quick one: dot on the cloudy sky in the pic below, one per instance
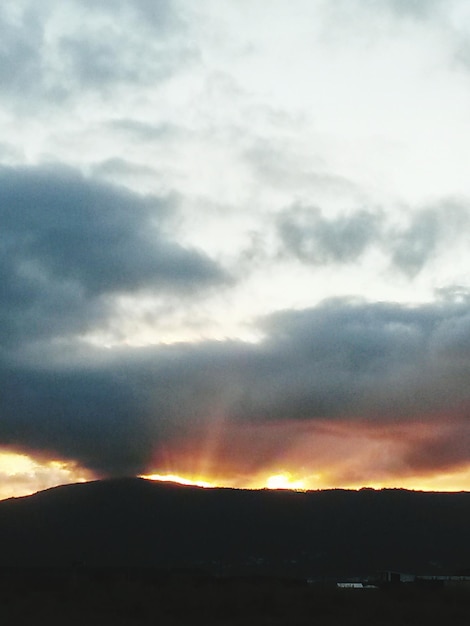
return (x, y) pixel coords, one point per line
(234, 242)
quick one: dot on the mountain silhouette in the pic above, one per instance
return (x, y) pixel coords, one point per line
(135, 523)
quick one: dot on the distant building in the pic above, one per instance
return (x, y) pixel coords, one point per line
(446, 580)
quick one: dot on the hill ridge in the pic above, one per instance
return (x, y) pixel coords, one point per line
(134, 522)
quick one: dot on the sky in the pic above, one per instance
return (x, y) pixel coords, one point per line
(234, 242)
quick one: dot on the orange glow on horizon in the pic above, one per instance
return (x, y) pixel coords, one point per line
(23, 475)
(445, 482)
(284, 481)
(275, 481)
(427, 454)
(180, 480)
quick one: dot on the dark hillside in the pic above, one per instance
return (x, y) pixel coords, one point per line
(137, 523)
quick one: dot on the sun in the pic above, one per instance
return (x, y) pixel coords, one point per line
(284, 481)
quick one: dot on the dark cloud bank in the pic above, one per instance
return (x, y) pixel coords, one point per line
(344, 360)
(69, 245)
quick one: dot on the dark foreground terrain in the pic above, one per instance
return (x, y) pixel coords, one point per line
(131, 552)
(135, 523)
(230, 603)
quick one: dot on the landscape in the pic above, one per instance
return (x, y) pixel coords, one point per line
(131, 551)
(234, 312)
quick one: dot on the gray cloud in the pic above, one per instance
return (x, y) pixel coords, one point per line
(273, 165)
(22, 40)
(305, 233)
(428, 231)
(345, 360)
(142, 131)
(106, 45)
(417, 9)
(415, 245)
(67, 243)
(158, 15)
(313, 238)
